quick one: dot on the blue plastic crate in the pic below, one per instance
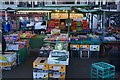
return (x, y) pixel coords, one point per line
(102, 70)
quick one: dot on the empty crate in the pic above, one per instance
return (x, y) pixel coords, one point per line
(102, 70)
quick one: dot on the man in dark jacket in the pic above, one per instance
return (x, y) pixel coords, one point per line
(3, 44)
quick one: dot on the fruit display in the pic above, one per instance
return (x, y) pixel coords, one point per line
(78, 37)
(11, 37)
(85, 24)
(109, 39)
(27, 35)
(61, 37)
(22, 43)
(47, 47)
(55, 31)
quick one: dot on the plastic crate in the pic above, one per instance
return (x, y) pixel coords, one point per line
(102, 70)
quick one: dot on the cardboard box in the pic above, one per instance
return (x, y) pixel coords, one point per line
(8, 64)
(40, 63)
(8, 57)
(57, 75)
(85, 46)
(60, 68)
(59, 57)
(39, 75)
(94, 47)
(56, 60)
(74, 46)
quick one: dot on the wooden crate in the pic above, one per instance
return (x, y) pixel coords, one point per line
(60, 68)
(40, 63)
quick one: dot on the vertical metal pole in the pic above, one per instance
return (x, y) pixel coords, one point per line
(32, 4)
(103, 25)
(68, 23)
(16, 20)
(49, 16)
(6, 15)
(91, 21)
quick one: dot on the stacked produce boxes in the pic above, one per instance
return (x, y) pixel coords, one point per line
(40, 68)
(52, 67)
(57, 60)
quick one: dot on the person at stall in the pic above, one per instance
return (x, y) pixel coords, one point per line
(3, 44)
(40, 26)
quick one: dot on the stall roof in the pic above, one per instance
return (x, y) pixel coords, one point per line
(44, 8)
(94, 11)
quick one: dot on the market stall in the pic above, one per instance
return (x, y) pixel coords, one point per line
(14, 44)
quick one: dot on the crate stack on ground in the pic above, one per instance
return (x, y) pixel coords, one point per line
(57, 60)
(40, 68)
(8, 60)
(102, 70)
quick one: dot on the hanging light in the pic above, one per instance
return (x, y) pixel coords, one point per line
(29, 2)
(66, 11)
(35, 2)
(56, 10)
(63, 10)
(73, 11)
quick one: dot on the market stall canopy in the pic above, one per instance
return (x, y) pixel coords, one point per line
(10, 9)
(46, 8)
(96, 11)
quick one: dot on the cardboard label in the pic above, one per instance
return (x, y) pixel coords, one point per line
(56, 68)
(56, 76)
(40, 66)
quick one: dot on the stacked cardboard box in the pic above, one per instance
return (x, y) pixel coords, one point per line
(57, 60)
(40, 68)
(53, 67)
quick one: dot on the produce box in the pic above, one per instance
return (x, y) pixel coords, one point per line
(85, 46)
(8, 60)
(55, 31)
(57, 75)
(8, 57)
(13, 47)
(94, 47)
(40, 63)
(8, 64)
(60, 57)
(60, 68)
(39, 75)
(74, 46)
(12, 37)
